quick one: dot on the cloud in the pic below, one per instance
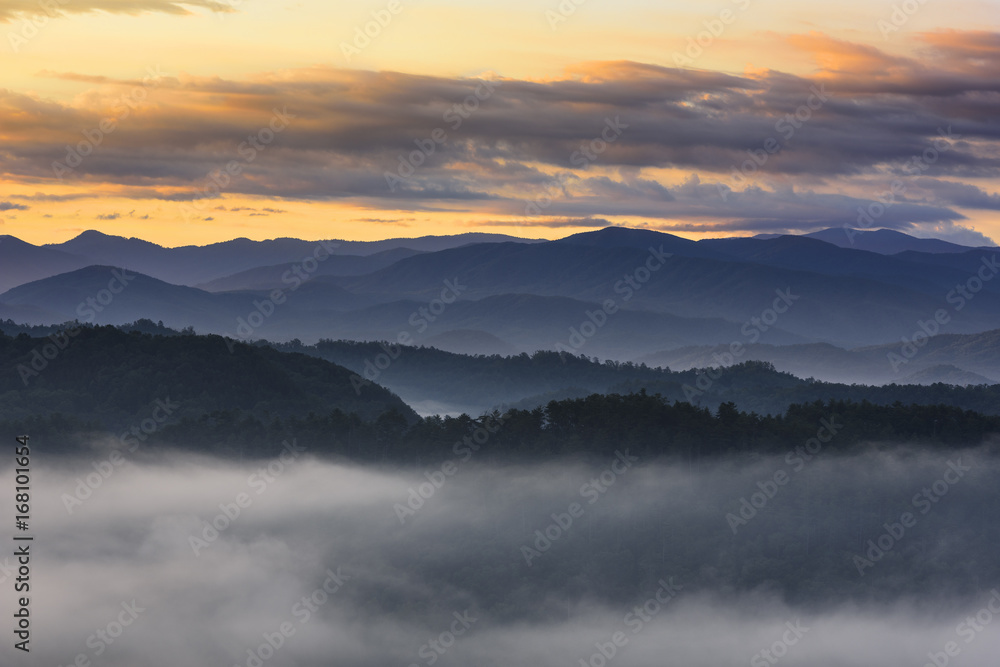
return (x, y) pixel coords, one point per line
(955, 234)
(392, 587)
(595, 223)
(251, 209)
(14, 9)
(964, 195)
(614, 137)
(385, 221)
(10, 206)
(108, 216)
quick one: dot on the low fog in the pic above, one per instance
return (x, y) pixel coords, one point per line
(461, 577)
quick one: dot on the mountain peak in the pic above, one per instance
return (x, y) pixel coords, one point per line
(628, 237)
(624, 236)
(91, 234)
(884, 241)
(92, 240)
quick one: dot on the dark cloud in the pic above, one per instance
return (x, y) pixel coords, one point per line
(964, 195)
(596, 223)
(10, 206)
(759, 148)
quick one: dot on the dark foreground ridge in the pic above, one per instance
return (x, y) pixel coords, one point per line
(208, 394)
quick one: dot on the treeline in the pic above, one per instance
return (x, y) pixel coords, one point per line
(593, 427)
(213, 394)
(531, 380)
(479, 383)
(11, 328)
(598, 425)
(802, 545)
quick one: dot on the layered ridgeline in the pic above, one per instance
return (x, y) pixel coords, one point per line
(114, 380)
(432, 380)
(630, 486)
(617, 293)
(211, 393)
(193, 265)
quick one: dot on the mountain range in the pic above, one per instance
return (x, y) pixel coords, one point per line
(834, 305)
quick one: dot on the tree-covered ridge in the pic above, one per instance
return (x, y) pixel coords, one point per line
(114, 378)
(528, 381)
(755, 386)
(217, 395)
(589, 428)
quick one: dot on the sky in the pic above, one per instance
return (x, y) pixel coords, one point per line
(197, 122)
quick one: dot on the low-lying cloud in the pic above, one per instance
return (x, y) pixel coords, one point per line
(312, 562)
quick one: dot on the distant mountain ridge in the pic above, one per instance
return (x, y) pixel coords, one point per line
(269, 277)
(953, 358)
(616, 293)
(322, 308)
(883, 241)
(22, 262)
(475, 384)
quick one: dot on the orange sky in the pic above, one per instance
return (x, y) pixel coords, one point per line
(700, 88)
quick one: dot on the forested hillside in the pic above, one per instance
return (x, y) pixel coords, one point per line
(115, 378)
